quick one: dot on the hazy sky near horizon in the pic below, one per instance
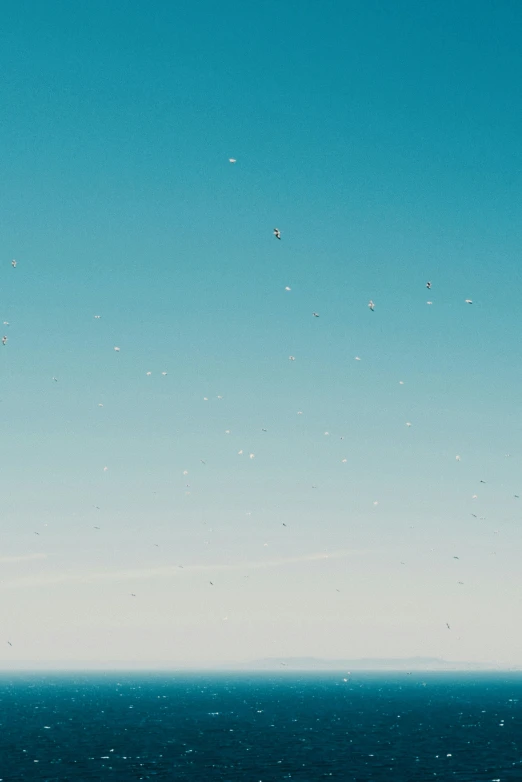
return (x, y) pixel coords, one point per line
(383, 139)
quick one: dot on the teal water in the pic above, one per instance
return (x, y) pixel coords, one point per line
(259, 728)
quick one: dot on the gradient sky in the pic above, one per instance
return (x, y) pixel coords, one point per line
(383, 139)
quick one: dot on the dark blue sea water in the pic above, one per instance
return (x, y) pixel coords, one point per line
(261, 727)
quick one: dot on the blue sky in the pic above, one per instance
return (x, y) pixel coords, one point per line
(384, 142)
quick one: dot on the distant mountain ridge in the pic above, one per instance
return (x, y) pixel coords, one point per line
(360, 664)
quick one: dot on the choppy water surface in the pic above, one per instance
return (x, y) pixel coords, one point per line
(261, 727)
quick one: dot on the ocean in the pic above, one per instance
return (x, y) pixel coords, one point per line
(261, 727)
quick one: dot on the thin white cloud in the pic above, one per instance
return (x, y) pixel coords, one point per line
(133, 574)
(22, 558)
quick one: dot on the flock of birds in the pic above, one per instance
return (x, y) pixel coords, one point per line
(371, 305)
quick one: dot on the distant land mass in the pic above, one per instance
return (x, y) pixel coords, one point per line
(361, 664)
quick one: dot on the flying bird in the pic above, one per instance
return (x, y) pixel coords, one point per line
(315, 314)
(447, 625)
(277, 233)
(428, 285)
(371, 305)
(4, 340)
(468, 301)
(14, 263)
